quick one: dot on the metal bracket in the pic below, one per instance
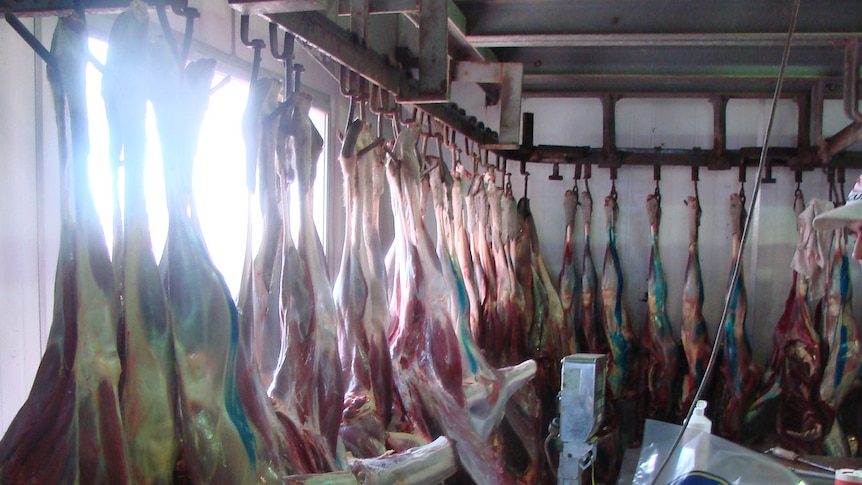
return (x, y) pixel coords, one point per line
(718, 159)
(510, 76)
(609, 156)
(433, 53)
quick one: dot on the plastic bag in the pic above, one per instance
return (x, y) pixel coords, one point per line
(702, 459)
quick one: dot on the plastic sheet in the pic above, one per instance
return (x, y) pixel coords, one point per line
(702, 458)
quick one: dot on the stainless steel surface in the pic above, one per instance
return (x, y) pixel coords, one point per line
(581, 412)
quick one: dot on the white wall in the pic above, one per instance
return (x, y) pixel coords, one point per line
(27, 243)
(685, 123)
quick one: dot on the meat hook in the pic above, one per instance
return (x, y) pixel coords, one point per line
(504, 170)
(834, 196)
(285, 55)
(181, 8)
(798, 177)
(526, 182)
(166, 30)
(695, 177)
(256, 44)
(508, 177)
(841, 181)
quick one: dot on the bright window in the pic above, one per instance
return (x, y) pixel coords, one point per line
(219, 176)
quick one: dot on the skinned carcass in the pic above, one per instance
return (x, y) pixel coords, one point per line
(615, 318)
(260, 353)
(739, 370)
(261, 327)
(148, 389)
(308, 388)
(695, 334)
(222, 436)
(657, 339)
(124, 83)
(362, 346)
(590, 305)
(841, 375)
(76, 385)
(423, 344)
(800, 422)
(569, 279)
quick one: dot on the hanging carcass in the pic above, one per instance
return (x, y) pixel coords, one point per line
(70, 428)
(569, 280)
(362, 345)
(615, 316)
(740, 372)
(309, 406)
(148, 385)
(695, 334)
(800, 420)
(591, 302)
(657, 340)
(423, 344)
(841, 375)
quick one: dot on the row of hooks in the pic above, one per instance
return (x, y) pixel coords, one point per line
(292, 72)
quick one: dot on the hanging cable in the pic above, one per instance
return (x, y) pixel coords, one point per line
(734, 276)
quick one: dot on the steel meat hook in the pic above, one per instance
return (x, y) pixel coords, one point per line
(285, 55)
(834, 196)
(256, 44)
(576, 177)
(181, 8)
(695, 177)
(798, 177)
(613, 193)
(588, 173)
(841, 181)
(166, 30)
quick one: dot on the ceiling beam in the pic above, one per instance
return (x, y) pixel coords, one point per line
(763, 39)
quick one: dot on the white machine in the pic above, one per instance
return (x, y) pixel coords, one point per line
(582, 401)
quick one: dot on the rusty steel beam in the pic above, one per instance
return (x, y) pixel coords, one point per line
(509, 77)
(640, 40)
(776, 157)
(314, 29)
(848, 136)
(433, 52)
(851, 80)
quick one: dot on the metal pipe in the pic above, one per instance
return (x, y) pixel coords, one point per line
(851, 80)
(840, 141)
(28, 37)
(636, 40)
(734, 277)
